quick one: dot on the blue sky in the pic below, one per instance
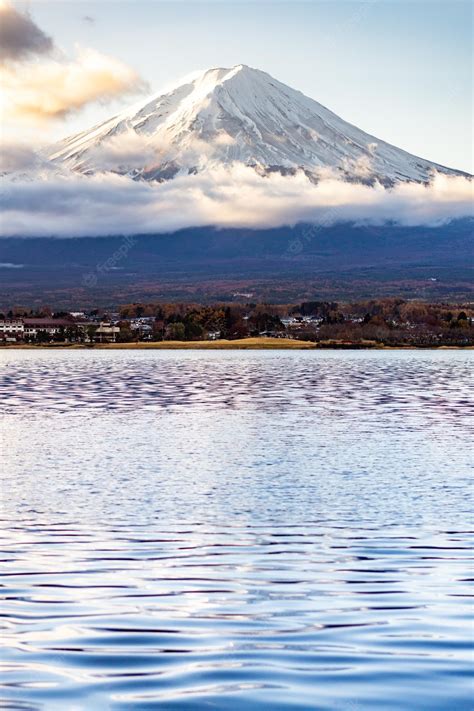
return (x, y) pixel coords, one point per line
(398, 69)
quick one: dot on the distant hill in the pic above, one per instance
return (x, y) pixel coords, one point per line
(342, 261)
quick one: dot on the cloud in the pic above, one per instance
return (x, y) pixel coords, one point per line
(361, 167)
(123, 152)
(108, 204)
(128, 150)
(39, 84)
(20, 37)
(54, 89)
(18, 157)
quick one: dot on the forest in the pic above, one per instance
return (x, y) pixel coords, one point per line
(390, 322)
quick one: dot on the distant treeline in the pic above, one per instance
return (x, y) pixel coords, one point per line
(388, 321)
(391, 321)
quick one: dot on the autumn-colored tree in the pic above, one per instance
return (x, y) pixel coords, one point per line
(175, 332)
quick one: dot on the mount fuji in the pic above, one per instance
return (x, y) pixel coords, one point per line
(222, 125)
(237, 115)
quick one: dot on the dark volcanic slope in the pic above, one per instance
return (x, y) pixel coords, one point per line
(285, 263)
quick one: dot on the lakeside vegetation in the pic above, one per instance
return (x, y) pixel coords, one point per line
(392, 323)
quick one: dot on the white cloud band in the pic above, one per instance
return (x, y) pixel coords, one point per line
(108, 204)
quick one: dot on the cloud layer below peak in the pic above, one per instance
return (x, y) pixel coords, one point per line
(72, 205)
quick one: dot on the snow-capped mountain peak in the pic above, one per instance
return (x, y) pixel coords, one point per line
(237, 114)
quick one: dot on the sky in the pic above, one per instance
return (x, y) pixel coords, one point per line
(399, 69)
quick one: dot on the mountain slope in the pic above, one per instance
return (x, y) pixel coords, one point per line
(236, 115)
(203, 264)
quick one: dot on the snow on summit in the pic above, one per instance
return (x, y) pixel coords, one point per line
(237, 115)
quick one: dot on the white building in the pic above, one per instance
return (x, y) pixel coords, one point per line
(29, 328)
(50, 326)
(11, 328)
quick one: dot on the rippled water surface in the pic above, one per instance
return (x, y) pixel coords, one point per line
(237, 530)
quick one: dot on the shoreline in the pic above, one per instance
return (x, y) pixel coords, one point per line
(257, 343)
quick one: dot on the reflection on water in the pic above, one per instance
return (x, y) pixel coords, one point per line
(261, 530)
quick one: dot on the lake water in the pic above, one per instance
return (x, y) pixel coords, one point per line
(236, 530)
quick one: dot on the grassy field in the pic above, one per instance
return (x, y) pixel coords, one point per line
(242, 343)
(258, 343)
